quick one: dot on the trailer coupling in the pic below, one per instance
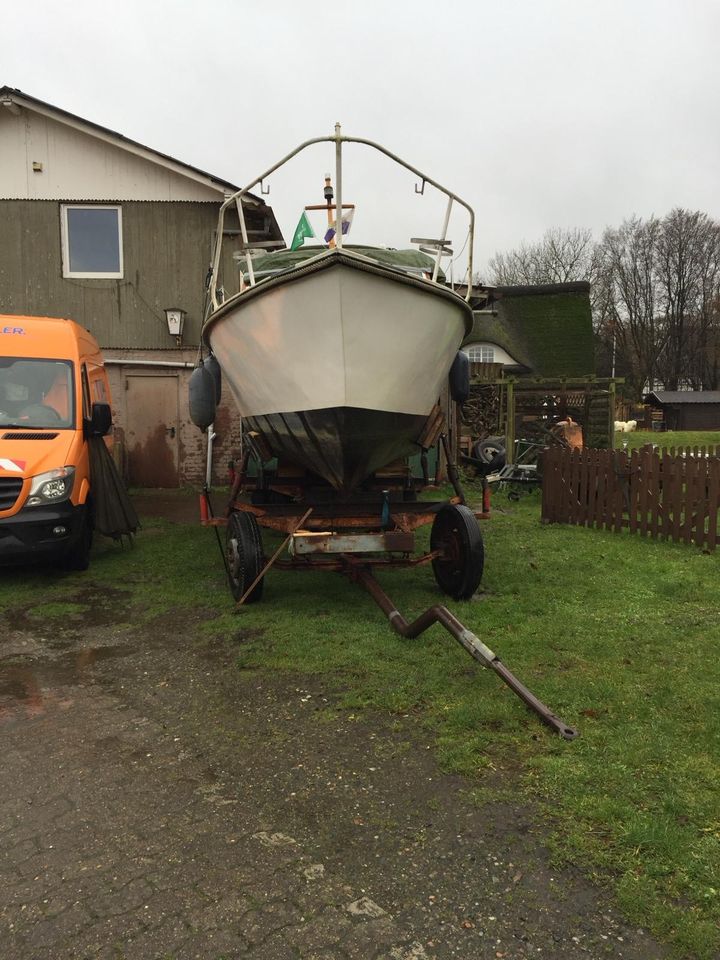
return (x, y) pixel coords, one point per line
(474, 646)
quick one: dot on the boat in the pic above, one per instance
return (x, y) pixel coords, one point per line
(336, 356)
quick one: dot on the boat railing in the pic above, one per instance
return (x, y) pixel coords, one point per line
(438, 245)
(421, 272)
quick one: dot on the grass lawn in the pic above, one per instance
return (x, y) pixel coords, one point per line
(617, 635)
(670, 438)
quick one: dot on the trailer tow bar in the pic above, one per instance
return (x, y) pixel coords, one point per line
(475, 647)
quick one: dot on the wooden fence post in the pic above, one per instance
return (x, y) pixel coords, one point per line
(713, 501)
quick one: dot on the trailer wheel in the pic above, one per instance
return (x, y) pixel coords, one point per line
(244, 553)
(456, 533)
(486, 450)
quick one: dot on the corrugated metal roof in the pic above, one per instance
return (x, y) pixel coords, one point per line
(684, 396)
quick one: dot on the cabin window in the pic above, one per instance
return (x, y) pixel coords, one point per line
(480, 353)
(91, 241)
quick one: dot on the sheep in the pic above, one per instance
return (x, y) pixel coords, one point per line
(625, 426)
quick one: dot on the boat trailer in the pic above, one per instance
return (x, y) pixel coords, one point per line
(355, 554)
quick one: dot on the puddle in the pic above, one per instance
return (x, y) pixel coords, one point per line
(91, 606)
(56, 650)
(29, 689)
(21, 695)
(13, 686)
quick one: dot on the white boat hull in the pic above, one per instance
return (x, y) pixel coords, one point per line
(369, 347)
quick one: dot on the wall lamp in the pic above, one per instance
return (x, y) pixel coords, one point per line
(175, 318)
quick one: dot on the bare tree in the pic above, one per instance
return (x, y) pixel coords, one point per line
(630, 297)
(559, 257)
(688, 270)
(708, 344)
(655, 293)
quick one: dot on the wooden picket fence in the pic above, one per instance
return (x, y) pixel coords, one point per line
(670, 494)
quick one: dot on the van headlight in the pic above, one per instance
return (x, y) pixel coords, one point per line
(51, 487)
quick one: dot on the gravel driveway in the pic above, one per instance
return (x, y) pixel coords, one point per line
(158, 802)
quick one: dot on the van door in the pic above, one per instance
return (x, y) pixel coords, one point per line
(152, 430)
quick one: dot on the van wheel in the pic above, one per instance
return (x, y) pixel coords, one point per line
(77, 557)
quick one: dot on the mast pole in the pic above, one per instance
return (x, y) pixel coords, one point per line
(338, 187)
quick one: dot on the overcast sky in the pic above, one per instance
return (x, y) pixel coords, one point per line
(539, 113)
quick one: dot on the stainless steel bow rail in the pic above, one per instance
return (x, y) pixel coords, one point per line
(437, 246)
(360, 573)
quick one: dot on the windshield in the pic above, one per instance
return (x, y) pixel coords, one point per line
(36, 393)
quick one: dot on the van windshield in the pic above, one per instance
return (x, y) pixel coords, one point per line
(36, 394)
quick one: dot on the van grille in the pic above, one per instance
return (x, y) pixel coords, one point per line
(10, 488)
(29, 436)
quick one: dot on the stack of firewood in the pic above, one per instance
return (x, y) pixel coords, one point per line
(480, 414)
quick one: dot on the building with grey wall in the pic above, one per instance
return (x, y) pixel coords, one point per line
(111, 233)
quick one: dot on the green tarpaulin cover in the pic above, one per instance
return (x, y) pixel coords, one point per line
(409, 261)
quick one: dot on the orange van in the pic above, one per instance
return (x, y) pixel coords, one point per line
(54, 396)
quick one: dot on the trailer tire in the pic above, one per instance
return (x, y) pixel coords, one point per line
(244, 554)
(458, 571)
(486, 450)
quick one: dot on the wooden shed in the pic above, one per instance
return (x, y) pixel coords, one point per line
(687, 409)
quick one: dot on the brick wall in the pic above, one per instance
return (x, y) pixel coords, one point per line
(191, 443)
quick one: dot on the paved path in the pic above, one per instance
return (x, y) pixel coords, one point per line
(159, 803)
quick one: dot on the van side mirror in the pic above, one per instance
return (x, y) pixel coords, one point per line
(100, 419)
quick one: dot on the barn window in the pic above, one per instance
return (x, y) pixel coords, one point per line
(92, 241)
(480, 353)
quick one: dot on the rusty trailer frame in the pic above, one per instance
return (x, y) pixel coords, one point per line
(354, 538)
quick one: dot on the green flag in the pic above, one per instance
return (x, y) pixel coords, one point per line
(302, 230)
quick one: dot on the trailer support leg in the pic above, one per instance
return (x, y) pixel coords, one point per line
(474, 646)
(452, 470)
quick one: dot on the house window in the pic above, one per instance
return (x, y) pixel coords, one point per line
(480, 353)
(92, 241)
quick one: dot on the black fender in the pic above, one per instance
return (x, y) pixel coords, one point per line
(460, 378)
